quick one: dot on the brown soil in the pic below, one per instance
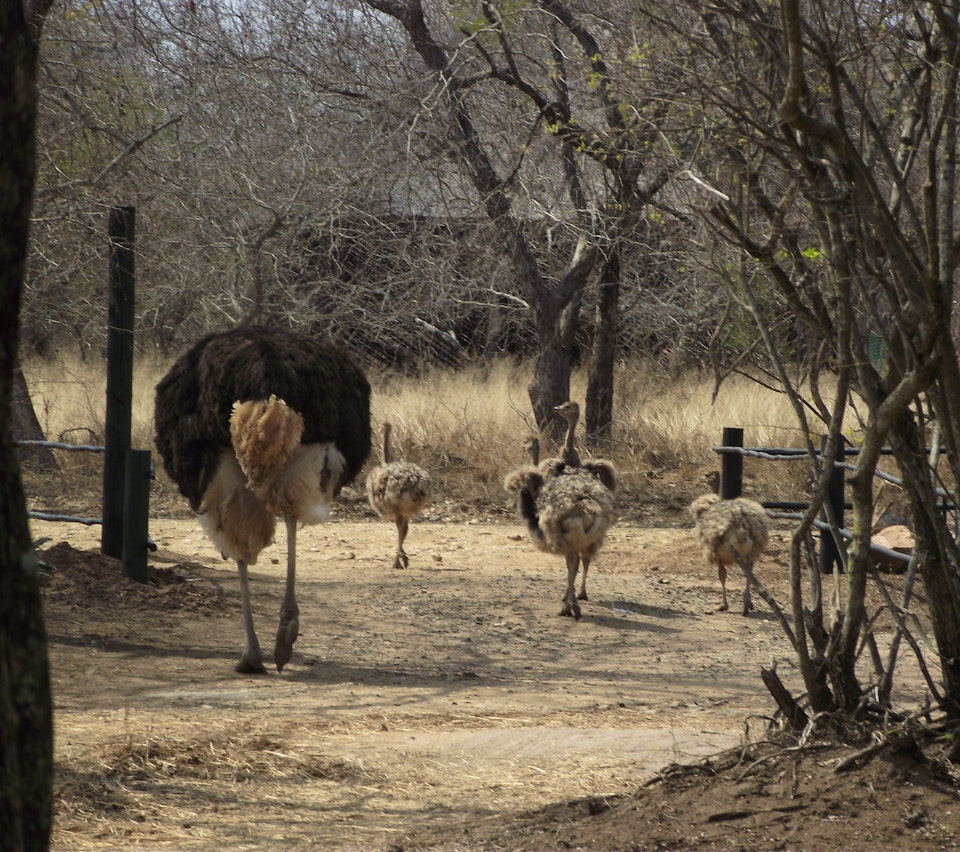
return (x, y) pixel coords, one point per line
(448, 706)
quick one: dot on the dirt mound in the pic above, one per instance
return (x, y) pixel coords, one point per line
(84, 580)
(768, 795)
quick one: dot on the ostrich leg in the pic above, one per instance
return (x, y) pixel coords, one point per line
(722, 574)
(289, 623)
(401, 560)
(570, 605)
(747, 602)
(251, 661)
(582, 595)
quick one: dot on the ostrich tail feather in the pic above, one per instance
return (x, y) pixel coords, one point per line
(265, 435)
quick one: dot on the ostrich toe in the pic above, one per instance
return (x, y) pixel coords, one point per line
(287, 634)
(283, 649)
(249, 664)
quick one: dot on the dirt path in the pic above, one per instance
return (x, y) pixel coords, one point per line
(415, 699)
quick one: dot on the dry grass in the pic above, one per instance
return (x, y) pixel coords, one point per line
(147, 790)
(230, 756)
(69, 398)
(468, 426)
(675, 417)
(190, 790)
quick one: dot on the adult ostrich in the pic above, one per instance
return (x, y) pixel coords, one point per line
(256, 422)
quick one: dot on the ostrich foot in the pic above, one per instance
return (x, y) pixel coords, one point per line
(583, 596)
(401, 560)
(250, 664)
(287, 634)
(283, 649)
(723, 607)
(571, 610)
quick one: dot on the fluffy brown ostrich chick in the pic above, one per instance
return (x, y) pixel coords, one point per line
(398, 490)
(730, 532)
(256, 422)
(567, 514)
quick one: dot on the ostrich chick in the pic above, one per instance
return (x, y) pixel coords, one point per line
(397, 491)
(730, 531)
(568, 515)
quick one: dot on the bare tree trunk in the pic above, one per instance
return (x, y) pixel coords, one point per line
(599, 414)
(26, 719)
(550, 385)
(547, 299)
(788, 705)
(939, 571)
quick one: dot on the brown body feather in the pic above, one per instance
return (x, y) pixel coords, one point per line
(265, 435)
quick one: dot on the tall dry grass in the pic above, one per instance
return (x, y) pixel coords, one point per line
(468, 426)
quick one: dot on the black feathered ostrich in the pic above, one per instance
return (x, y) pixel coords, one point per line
(256, 422)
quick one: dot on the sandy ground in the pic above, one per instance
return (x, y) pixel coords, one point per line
(417, 700)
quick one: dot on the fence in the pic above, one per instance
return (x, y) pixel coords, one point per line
(732, 453)
(60, 445)
(126, 472)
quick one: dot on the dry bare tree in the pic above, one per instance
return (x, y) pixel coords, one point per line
(26, 715)
(569, 75)
(256, 136)
(827, 162)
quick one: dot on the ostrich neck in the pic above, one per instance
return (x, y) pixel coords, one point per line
(569, 453)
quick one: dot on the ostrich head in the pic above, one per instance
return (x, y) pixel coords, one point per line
(569, 411)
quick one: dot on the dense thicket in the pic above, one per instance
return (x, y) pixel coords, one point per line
(284, 169)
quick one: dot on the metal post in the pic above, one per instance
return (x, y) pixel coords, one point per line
(731, 464)
(119, 376)
(829, 549)
(136, 510)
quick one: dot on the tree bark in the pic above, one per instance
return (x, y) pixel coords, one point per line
(939, 571)
(599, 416)
(26, 724)
(785, 701)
